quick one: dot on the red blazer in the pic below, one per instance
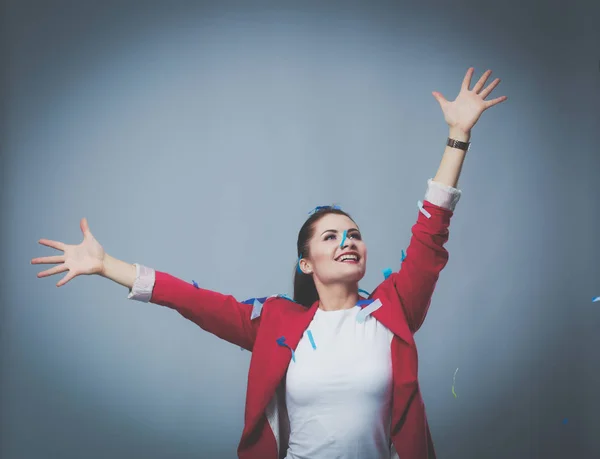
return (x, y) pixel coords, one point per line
(405, 297)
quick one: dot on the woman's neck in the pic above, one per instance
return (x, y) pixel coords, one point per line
(338, 297)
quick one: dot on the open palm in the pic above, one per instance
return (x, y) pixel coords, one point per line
(84, 258)
(463, 112)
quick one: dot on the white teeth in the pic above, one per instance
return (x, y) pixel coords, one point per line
(349, 257)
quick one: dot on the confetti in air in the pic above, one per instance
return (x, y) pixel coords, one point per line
(195, 284)
(453, 382)
(596, 299)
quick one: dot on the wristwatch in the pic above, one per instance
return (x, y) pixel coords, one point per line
(458, 144)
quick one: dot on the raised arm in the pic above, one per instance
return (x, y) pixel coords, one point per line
(426, 255)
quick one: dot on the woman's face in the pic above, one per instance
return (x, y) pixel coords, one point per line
(331, 261)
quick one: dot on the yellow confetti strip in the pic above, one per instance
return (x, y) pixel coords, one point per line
(453, 382)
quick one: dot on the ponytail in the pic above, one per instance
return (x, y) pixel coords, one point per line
(305, 291)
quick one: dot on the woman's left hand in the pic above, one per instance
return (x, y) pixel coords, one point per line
(462, 113)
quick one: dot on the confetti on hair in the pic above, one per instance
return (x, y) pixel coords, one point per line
(312, 341)
(422, 209)
(453, 382)
(387, 273)
(319, 208)
(360, 290)
(364, 312)
(281, 342)
(195, 284)
(596, 299)
(344, 238)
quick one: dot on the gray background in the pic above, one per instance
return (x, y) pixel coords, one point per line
(195, 138)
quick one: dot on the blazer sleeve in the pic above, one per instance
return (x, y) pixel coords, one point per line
(219, 314)
(425, 256)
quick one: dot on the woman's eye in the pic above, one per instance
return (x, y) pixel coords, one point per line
(329, 236)
(355, 236)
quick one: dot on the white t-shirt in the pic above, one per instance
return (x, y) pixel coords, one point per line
(338, 395)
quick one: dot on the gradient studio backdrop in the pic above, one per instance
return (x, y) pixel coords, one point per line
(195, 138)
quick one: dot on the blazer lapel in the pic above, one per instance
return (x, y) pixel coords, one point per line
(390, 314)
(272, 360)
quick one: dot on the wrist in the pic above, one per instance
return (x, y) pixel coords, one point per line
(459, 134)
(105, 265)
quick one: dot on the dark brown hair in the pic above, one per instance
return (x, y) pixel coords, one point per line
(305, 291)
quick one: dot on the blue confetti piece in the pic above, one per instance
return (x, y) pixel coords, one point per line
(281, 342)
(195, 285)
(403, 256)
(363, 303)
(360, 290)
(318, 208)
(596, 299)
(387, 273)
(364, 312)
(344, 238)
(283, 295)
(312, 341)
(565, 420)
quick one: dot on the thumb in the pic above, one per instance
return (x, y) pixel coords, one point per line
(439, 97)
(85, 229)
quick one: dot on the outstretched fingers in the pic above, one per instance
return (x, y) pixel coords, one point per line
(66, 279)
(481, 81)
(467, 79)
(54, 244)
(486, 92)
(55, 270)
(48, 260)
(497, 100)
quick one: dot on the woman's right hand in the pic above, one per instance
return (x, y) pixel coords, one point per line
(84, 258)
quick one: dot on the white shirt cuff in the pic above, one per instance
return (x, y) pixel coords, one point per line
(442, 195)
(143, 285)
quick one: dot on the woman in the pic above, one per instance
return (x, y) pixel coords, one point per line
(332, 375)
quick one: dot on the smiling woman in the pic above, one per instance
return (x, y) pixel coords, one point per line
(349, 386)
(326, 236)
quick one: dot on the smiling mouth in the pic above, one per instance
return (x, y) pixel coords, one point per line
(349, 259)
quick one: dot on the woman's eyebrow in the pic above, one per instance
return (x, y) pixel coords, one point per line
(351, 230)
(335, 231)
